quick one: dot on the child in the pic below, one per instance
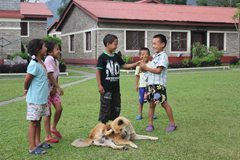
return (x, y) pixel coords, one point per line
(156, 82)
(55, 92)
(144, 54)
(107, 75)
(36, 92)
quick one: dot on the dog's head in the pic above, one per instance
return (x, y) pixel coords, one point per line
(122, 126)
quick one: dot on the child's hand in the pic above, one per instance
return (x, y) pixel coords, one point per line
(143, 66)
(137, 88)
(61, 91)
(101, 89)
(25, 92)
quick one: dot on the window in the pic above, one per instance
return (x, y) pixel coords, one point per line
(217, 40)
(135, 40)
(71, 43)
(88, 41)
(179, 41)
(24, 28)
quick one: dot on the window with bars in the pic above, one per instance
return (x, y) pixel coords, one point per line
(24, 28)
(179, 41)
(88, 41)
(217, 40)
(135, 40)
(71, 43)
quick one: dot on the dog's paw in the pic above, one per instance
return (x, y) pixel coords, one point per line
(134, 145)
(154, 138)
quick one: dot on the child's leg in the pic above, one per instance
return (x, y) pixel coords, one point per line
(47, 121)
(32, 134)
(151, 111)
(140, 108)
(57, 115)
(168, 109)
(38, 133)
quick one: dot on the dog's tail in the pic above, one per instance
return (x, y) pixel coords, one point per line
(81, 143)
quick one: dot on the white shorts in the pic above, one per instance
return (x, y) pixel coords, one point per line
(36, 111)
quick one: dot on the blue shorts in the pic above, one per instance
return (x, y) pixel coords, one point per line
(141, 92)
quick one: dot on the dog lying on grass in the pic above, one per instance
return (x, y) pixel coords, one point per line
(116, 134)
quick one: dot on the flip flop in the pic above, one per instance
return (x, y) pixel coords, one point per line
(51, 140)
(37, 151)
(44, 145)
(57, 134)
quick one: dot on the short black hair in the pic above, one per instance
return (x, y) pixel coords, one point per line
(144, 49)
(50, 46)
(162, 38)
(109, 38)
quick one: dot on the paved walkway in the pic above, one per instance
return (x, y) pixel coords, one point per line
(87, 76)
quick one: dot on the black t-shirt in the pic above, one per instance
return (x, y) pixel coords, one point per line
(109, 66)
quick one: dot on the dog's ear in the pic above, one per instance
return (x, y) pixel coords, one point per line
(120, 122)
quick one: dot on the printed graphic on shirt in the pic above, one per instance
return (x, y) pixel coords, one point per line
(112, 71)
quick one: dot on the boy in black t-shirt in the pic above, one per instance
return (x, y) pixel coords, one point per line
(107, 74)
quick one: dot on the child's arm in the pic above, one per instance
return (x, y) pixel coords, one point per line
(127, 66)
(98, 77)
(137, 82)
(157, 70)
(27, 82)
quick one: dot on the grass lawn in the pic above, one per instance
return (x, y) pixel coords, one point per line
(82, 68)
(206, 110)
(13, 87)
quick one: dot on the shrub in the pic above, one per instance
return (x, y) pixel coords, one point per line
(53, 39)
(62, 66)
(234, 61)
(21, 54)
(127, 59)
(18, 68)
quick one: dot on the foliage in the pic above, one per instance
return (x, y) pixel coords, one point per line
(61, 9)
(127, 59)
(234, 61)
(53, 39)
(62, 66)
(17, 68)
(175, 1)
(223, 3)
(205, 57)
(21, 54)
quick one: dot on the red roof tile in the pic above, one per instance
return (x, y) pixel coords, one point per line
(35, 10)
(156, 12)
(10, 14)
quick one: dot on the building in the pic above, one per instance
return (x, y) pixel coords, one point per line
(84, 24)
(19, 23)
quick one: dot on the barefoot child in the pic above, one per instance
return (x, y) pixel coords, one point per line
(51, 63)
(36, 92)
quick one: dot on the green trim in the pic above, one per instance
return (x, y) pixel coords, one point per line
(110, 55)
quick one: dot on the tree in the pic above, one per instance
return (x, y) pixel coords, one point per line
(175, 1)
(236, 18)
(223, 3)
(63, 7)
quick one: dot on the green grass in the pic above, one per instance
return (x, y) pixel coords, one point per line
(206, 110)
(13, 87)
(81, 68)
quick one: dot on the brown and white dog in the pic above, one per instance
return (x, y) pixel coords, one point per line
(116, 134)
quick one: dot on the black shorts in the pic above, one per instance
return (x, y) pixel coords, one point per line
(110, 106)
(156, 93)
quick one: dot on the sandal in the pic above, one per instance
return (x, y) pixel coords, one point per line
(57, 134)
(44, 145)
(51, 140)
(37, 151)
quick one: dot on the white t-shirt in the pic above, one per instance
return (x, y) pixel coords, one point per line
(142, 80)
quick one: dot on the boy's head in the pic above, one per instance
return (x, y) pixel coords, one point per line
(110, 41)
(159, 42)
(144, 53)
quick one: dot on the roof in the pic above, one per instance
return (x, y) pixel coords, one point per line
(129, 12)
(53, 26)
(35, 10)
(10, 14)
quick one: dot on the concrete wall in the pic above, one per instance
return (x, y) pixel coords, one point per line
(9, 4)
(10, 34)
(36, 30)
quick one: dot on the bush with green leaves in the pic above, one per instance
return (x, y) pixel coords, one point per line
(21, 54)
(203, 56)
(53, 39)
(127, 59)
